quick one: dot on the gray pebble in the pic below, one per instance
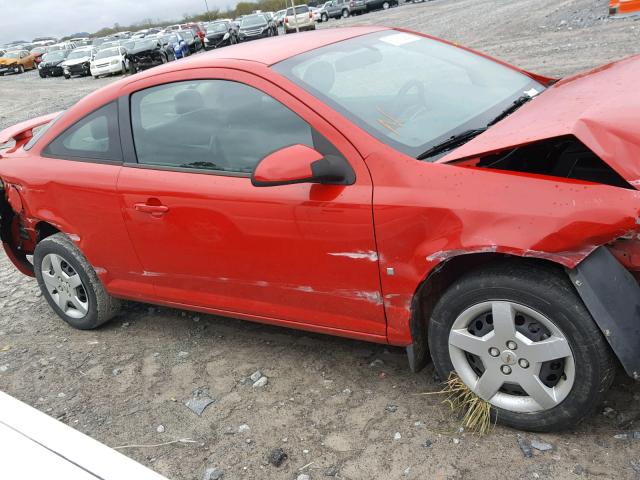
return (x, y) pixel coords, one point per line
(540, 445)
(213, 474)
(261, 382)
(276, 457)
(525, 447)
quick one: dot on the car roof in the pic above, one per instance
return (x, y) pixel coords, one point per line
(276, 49)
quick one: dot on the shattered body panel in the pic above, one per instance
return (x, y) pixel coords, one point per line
(586, 106)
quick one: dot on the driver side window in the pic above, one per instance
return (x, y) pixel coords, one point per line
(214, 125)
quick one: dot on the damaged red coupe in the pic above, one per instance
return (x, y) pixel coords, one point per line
(372, 183)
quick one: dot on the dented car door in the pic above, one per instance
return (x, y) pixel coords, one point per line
(208, 238)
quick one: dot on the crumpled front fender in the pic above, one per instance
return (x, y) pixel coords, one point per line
(426, 214)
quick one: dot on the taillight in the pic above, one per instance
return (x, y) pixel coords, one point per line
(286, 20)
(310, 15)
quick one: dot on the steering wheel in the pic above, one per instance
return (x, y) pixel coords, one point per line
(406, 105)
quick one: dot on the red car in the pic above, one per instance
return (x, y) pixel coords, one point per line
(197, 30)
(371, 183)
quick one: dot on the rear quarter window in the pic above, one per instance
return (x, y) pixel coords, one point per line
(93, 137)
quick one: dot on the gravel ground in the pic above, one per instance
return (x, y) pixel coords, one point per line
(333, 405)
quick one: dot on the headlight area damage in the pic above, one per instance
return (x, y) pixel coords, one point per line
(18, 231)
(555, 183)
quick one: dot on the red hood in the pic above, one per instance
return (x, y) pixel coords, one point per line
(600, 107)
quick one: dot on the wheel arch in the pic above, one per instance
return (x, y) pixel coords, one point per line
(439, 279)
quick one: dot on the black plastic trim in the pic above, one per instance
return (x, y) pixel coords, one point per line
(612, 296)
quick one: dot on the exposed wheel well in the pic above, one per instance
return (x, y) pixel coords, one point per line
(44, 230)
(439, 280)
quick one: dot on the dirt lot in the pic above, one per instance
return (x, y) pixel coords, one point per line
(333, 405)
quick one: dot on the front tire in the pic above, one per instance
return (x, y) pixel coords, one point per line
(324, 18)
(71, 285)
(521, 338)
(345, 13)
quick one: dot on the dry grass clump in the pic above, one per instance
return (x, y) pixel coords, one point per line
(476, 411)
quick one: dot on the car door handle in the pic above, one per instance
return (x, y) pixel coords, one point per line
(155, 210)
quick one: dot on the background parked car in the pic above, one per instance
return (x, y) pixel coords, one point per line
(38, 52)
(61, 46)
(50, 64)
(220, 34)
(166, 46)
(279, 17)
(109, 61)
(197, 30)
(78, 62)
(146, 53)
(302, 20)
(253, 27)
(345, 8)
(17, 62)
(193, 41)
(271, 20)
(380, 4)
(178, 45)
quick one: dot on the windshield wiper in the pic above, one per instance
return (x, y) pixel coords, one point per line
(517, 103)
(451, 143)
(465, 136)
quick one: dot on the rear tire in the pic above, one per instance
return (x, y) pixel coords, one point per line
(385, 6)
(20, 68)
(345, 13)
(538, 299)
(324, 17)
(63, 273)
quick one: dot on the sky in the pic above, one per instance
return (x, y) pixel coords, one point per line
(27, 19)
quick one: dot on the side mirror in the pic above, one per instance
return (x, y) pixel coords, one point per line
(301, 164)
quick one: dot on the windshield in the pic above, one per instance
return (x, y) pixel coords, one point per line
(173, 39)
(80, 54)
(54, 56)
(39, 50)
(406, 90)
(145, 44)
(108, 52)
(217, 27)
(187, 34)
(55, 48)
(253, 21)
(12, 55)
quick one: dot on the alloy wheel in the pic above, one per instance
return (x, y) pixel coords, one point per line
(65, 286)
(512, 356)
